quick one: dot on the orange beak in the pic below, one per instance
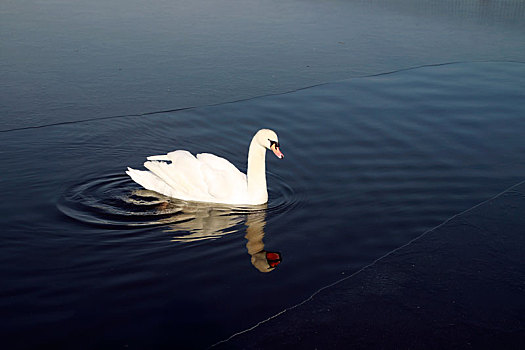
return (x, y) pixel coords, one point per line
(277, 151)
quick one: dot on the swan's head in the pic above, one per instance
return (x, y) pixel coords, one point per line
(269, 140)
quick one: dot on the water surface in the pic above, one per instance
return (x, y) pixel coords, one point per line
(91, 260)
(66, 60)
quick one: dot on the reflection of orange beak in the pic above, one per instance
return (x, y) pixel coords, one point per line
(277, 151)
(273, 258)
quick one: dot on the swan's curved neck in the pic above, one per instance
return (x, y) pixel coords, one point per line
(256, 173)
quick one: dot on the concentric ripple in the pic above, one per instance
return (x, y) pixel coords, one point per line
(115, 201)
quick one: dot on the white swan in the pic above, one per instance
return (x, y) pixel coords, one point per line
(208, 178)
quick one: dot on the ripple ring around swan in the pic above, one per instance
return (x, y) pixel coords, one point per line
(115, 201)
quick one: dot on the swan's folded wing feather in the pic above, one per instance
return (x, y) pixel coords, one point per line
(161, 171)
(151, 182)
(218, 163)
(217, 183)
(206, 177)
(180, 156)
(183, 175)
(223, 179)
(159, 157)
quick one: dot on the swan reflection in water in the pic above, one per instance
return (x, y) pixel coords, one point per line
(201, 221)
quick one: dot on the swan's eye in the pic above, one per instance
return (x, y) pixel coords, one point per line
(274, 143)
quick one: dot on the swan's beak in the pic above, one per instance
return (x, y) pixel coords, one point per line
(276, 151)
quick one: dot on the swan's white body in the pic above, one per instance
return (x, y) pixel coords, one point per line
(208, 178)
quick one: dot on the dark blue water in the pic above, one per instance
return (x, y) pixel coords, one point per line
(383, 141)
(66, 60)
(91, 260)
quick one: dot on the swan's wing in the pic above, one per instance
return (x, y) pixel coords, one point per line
(183, 174)
(218, 163)
(224, 180)
(160, 157)
(151, 182)
(205, 178)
